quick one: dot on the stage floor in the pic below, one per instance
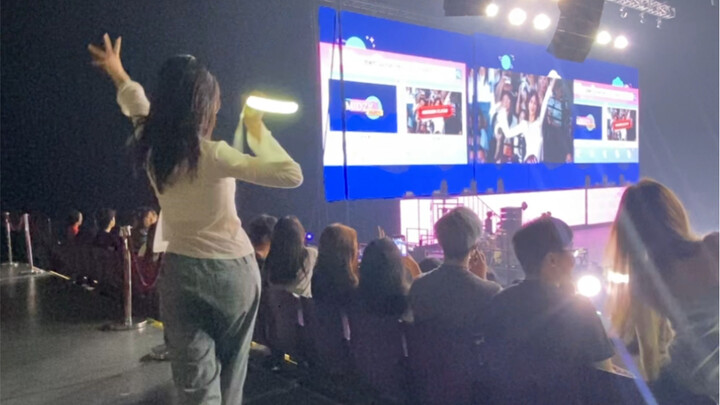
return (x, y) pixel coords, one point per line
(53, 351)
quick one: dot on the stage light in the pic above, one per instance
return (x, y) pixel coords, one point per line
(517, 16)
(659, 23)
(623, 12)
(642, 18)
(589, 286)
(603, 38)
(621, 42)
(271, 105)
(492, 10)
(541, 22)
(309, 236)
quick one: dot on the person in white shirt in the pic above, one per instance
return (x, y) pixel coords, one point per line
(209, 283)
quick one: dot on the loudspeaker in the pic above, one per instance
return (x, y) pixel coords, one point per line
(460, 8)
(576, 29)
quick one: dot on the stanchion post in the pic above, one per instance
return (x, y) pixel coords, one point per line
(128, 323)
(8, 232)
(28, 243)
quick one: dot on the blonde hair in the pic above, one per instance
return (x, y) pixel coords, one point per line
(651, 231)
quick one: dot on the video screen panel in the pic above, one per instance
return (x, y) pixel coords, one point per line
(410, 111)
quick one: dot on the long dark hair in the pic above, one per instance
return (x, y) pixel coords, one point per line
(287, 251)
(182, 112)
(335, 274)
(384, 281)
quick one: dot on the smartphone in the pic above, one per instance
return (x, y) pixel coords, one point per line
(402, 245)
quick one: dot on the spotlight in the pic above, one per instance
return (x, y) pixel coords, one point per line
(541, 22)
(589, 286)
(603, 38)
(309, 236)
(517, 16)
(492, 10)
(642, 18)
(623, 12)
(659, 23)
(272, 106)
(621, 42)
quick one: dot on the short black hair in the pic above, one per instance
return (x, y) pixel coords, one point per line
(260, 229)
(458, 232)
(538, 238)
(72, 218)
(142, 212)
(104, 217)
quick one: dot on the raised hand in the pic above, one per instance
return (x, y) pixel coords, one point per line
(107, 57)
(253, 119)
(478, 264)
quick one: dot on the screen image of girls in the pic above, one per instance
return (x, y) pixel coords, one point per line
(524, 118)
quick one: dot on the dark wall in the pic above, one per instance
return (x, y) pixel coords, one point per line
(63, 136)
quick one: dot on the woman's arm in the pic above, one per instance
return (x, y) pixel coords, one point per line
(502, 123)
(271, 167)
(546, 99)
(130, 95)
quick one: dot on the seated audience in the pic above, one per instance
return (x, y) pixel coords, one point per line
(429, 264)
(335, 275)
(384, 280)
(456, 294)
(260, 231)
(73, 221)
(666, 303)
(88, 232)
(145, 217)
(105, 238)
(540, 320)
(289, 264)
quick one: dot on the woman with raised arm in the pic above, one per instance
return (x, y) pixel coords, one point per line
(209, 283)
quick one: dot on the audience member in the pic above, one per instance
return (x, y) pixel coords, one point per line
(88, 231)
(290, 263)
(105, 238)
(539, 319)
(668, 285)
(145, 217)
(455, 295)
(72, 226)
(335, 275)
(489, 224)
(260, 231)
(384, 280)
(429, 264)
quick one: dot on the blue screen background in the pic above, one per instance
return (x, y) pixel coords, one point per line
(369, 182)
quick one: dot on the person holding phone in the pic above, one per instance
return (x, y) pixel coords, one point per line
(455, 295)
(209, 282)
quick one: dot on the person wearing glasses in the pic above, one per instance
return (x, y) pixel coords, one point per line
(539, 330)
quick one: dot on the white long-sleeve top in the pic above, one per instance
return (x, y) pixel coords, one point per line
(198, 215)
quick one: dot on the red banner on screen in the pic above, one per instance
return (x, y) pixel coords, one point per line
(435, 111)
(622, 124)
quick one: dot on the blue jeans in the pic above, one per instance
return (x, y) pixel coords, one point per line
(208, 307)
